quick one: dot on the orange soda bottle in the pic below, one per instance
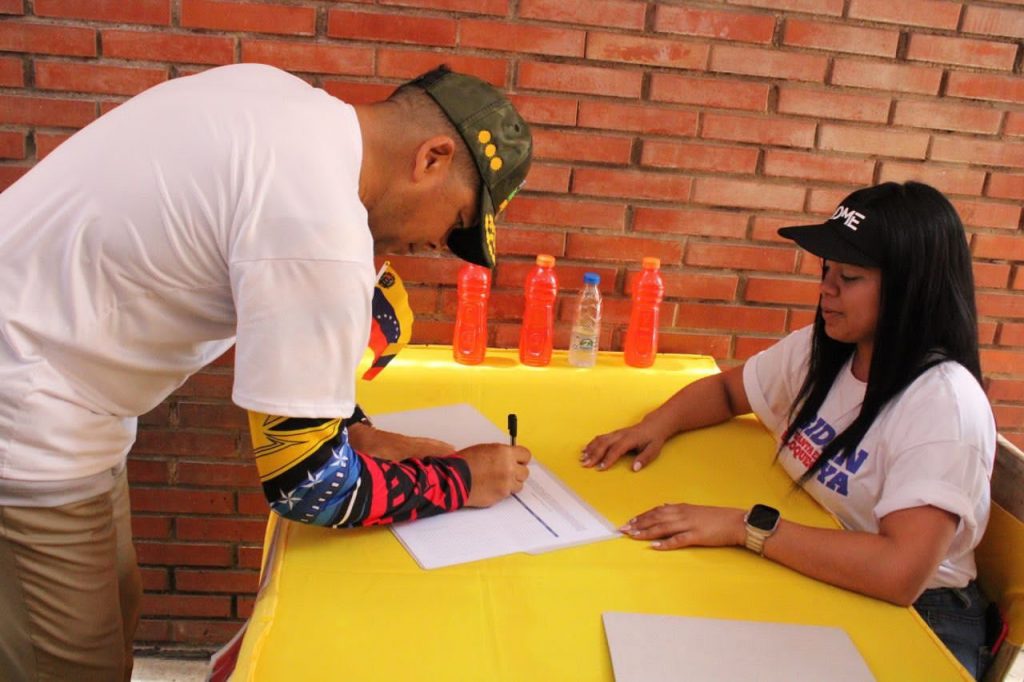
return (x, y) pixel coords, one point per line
(536, 336)
(474, 287)
(642, 333)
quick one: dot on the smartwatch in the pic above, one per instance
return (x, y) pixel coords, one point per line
(762, 521)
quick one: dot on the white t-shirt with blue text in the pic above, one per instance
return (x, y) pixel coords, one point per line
(932, 445)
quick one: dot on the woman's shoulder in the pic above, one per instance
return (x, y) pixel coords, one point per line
(947, 401)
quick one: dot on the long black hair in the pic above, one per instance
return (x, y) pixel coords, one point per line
(926, 311)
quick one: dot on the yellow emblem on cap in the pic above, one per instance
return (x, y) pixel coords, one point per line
(490, 150)
(484, 136)
(489, 234)
(496, 163)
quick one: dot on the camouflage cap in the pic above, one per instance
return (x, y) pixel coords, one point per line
(501, 145)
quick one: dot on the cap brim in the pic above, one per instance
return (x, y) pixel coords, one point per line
(825, 241)
(472, 244)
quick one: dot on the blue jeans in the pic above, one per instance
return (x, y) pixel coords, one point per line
(958, 617)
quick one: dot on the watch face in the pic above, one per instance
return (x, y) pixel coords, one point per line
(763, 517)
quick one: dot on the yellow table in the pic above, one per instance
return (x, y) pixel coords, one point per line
(352, 604)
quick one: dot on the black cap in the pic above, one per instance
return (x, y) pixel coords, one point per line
(851, 235)
(499, 141)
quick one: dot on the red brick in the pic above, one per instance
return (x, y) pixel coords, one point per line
(47, 39)
(184, 605)
(549, 110)
(407, 64)
(233, 530)
(148, 470)
(748, 346)
(649, 120)
(731, 318)
(548, 178)
(155, 579)
(391, 28)
(999, 247)
(593, 80)
(762, 130)
(841, 38)
(158, 416)
(740, 257)
(630, 184)
(46, 111)
(827, 104)
(116, 11)
(728, 224)
(79, 77)
(987, 87)
(827, 7)
(355, 92)
(566, 212)
(708, 23)
(255, 504)
(310, 58)
(765, 228)
(209, 474)
(949, 179)
(988, 213)
(986, 333)
(206, 385)
(1000, 361)
(12, 6)
(706, 287)
(962, 51)
(564, 146)
(974, 151)
(1011, 334)
(151, 527)
(188, 580)
(709, 92)
(715, 345)
(1008, 416)
(873, 141)
(946, 116)
(816, 166)
(515, 241)
(570, 278)
(823, 200)
(1006, 389)
(927, 13)
(183, 554)
(991, 275)
(12, 144)
(250, 557)
(776, 290)
(248, 17)
(12, 72)
(501, 35)
(767, 62)
(885, 76)
(798, 319)
(621, 14)
(992, 21)
(622, 248)
(181, 500)
(203, 631)
(698, 156)
(617, 47)
(169, 47)
(11, 174)
(153, 631)
(1014, 123)
(748, 194)
(180, 443)
(1018, 279)
(432, 269)
(1006, 186)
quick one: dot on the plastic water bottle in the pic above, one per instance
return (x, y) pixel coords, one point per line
(586, 326)
(537, 334)
(470, 343)
(642, 333)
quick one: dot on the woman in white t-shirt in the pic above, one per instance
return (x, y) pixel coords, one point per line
(880, 414)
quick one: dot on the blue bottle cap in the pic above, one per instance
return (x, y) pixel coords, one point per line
(591, 278)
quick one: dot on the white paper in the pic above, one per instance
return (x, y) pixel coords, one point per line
(545, 515)
(658, 648)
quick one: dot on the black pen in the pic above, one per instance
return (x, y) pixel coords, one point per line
(513, 427)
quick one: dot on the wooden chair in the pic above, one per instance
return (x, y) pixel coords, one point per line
(1000, 558)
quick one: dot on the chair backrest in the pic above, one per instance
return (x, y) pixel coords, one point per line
(1000, 556)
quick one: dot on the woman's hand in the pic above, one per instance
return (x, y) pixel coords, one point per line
(605, 450)
(674, 526)
(395, 446)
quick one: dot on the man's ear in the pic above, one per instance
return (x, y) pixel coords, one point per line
(434, 159)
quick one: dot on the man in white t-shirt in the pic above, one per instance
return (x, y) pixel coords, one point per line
(238, 206)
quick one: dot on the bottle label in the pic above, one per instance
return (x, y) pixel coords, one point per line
(583, 343)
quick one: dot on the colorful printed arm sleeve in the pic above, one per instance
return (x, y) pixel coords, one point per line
(311, 474)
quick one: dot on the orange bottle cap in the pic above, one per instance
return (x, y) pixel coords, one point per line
(650, 263)
(545, 261)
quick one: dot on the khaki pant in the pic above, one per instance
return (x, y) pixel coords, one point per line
(69, 590)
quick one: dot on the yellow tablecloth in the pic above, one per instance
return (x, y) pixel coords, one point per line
(353, 605)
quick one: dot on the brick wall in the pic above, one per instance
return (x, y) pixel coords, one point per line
(684, 130)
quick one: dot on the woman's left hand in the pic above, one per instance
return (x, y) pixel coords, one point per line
(674, 526)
